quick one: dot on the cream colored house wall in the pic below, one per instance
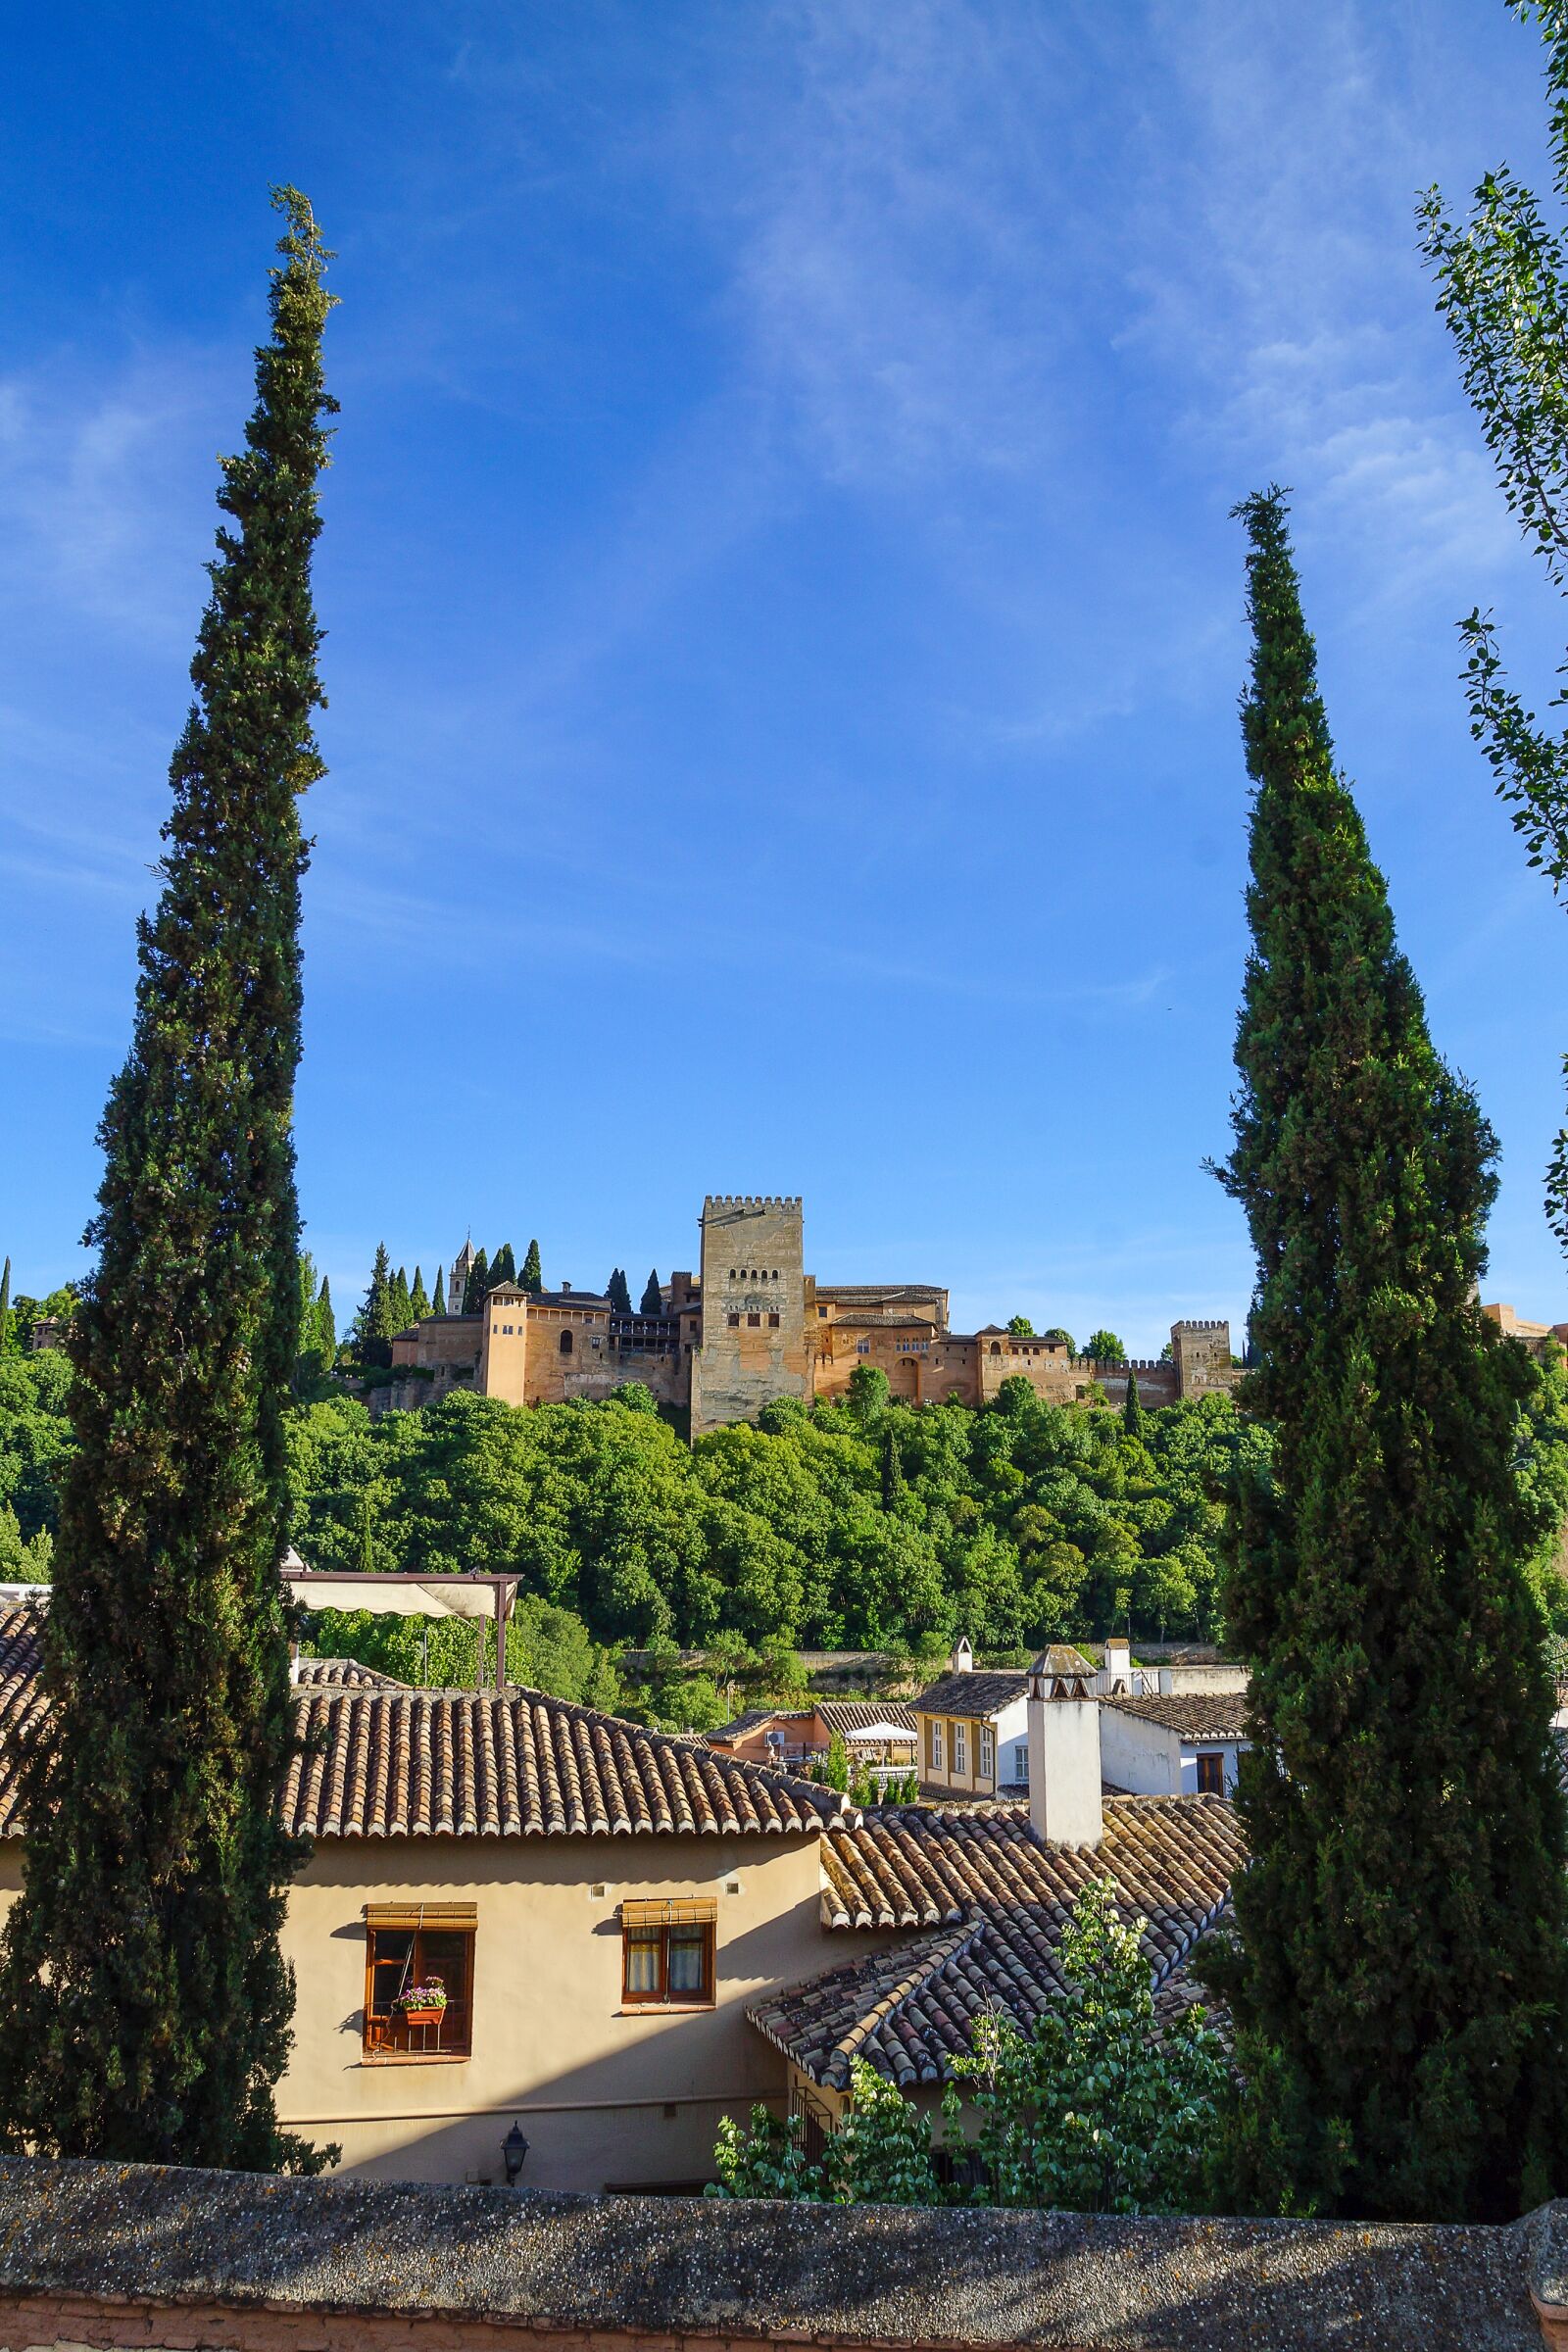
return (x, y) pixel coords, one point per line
(603, 2093)
(593, 2084)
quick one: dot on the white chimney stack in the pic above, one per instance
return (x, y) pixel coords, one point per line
(962, 1659)
(1118, 1667)
(1065, 1805)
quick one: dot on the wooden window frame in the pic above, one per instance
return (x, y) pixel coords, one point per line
(987, 1752)
(1214, 1759)
(386, 2039)
(960, 1748)
(644, 1921)
(937, 1763)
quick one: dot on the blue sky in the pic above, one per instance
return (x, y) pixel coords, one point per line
(784, 624)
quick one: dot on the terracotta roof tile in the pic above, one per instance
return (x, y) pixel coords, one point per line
(20, 1705)
(1220, 1715)
(383, 1761)
(973, 1693)
(998, 1898)
(342, 1674)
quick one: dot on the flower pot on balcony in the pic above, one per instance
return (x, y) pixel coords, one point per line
(423, 2017)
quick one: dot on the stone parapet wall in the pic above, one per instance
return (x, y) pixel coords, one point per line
(106, 2255)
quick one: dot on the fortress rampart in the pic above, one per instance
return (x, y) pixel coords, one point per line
(754, 1327)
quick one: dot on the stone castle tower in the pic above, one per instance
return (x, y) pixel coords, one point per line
(753, 1308)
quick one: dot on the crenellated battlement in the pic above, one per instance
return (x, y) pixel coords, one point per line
(725, 1203)
(1188, 1323)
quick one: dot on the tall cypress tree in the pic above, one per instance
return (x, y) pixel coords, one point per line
(419, 1302)
(1400, 1990)
(618, 1291)
(1134, 1419)
(400, 1305)
(326, 1322)
(438, 1305)
(373, 1324)
(477, 1285)
(653, 1296)
(145, 2004)
(505, 1268)
(894, 1487)
(533, 1277)
(4, 1305)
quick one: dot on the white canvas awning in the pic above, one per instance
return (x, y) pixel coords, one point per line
(398, 1593)
(439, 1596)
(880, 1734)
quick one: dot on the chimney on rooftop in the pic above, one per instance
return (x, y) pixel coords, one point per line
(1064, 1796)
(565, 1286)
(1119, 1663)
(962, 1659)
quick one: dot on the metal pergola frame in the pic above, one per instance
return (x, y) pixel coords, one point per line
(503, 1587)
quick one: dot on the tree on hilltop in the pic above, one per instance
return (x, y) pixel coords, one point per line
(374, 1322)
(144, 2002)
(1022, 1328)
(438, 1305)
(653, 1296)
(505, 1268)
(1104, 1347)
(618, 1291)
(476, 1286)
(1401, 1982)
(419, 1302)
(533, 1277)
(1062, 1337)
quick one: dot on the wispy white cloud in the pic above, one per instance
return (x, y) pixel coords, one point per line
(105, 485)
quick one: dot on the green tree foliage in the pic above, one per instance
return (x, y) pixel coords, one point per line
(418, 1297)
(505, 1268)
(4, 1307)
(1049, 1522)
(1096, 2110)
(1134, 1419)
(375, 1321)
(1104, 1347)
(1402, 1984)
(617, 1290)
(532, 1276)
(895, 1486)
(652, 1303)
(402, 1303)
(1503, 290)
(438, 1305)
(318, 1351)
(1021, 1327)
(145, 2006)
(476, 1286)
(24, 1559)
(1062, 1337)
(35, 1437)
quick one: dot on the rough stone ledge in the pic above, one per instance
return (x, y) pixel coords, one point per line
(89, 2234)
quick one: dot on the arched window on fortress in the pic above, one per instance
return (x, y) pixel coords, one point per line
(996, 1347)
(565, 1343)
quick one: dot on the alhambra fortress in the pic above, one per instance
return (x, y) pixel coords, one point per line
(752, 1326)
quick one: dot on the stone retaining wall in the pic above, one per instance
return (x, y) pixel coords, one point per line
(107, 2255)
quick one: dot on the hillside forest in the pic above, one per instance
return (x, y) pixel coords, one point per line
(858, 1524)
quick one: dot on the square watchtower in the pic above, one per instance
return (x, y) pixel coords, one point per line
(753, 1308)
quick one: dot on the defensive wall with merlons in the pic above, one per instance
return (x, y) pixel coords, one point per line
(110, 2255)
